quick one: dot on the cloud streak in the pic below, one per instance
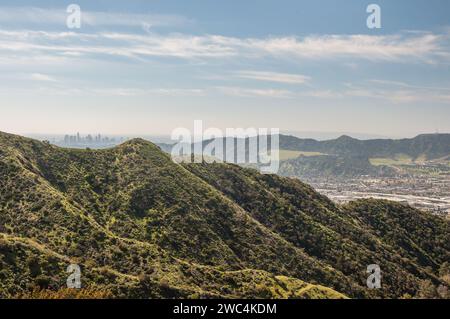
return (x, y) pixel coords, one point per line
(397, 92)
(401, 48)
(274, 77)
(42, 77)
(57, 17)
(396, 48)
(255, 92)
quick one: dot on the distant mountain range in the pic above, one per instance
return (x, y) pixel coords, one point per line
(427, 146)
(350, 157)
(142, 226)
(322, 136)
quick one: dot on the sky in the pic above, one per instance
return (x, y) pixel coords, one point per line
(148, 67)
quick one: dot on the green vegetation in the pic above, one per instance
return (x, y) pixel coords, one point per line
(338, 236)
(66, 293)
(398, 159)
(425, 146)
(332, 166)
(288, 154)
(141, 226)
(349, 157)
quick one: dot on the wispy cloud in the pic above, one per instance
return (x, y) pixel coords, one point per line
(42, 77)
(388, 91)
(253, 92)
(146, 92)
(410, 86)
(274, 77)
(394, 94)
(53, 88)
(57, 17)
(401, 48)
(322, 94)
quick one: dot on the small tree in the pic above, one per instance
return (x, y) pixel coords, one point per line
(443, 292)
(427, 290)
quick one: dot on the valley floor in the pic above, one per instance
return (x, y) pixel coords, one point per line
(422, 192)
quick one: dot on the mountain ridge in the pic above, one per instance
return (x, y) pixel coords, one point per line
(132, 210)
(431, 145)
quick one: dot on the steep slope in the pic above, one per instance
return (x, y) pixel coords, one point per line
(331, 165)
(417, 235)
(130, 213)
(143, 226)
(340, 237)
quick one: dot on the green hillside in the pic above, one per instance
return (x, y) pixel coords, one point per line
(334, 234)
(350, 157)
(425, 146)
(331, 165)
(142, 226)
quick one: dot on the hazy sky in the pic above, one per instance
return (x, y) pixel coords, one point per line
(147, 67)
